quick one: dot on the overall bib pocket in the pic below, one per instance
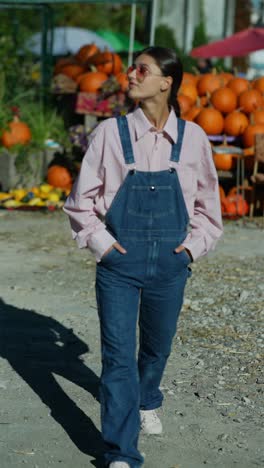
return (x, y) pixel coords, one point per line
(155, 201)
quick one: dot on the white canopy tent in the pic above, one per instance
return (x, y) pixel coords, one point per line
(67, 40)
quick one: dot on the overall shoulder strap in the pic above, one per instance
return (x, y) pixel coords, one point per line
(125, 139)
(176, 147)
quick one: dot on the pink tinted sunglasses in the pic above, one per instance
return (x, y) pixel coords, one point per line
(141, 71)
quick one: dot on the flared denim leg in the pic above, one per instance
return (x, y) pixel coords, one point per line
(118, 303)
(159, 311)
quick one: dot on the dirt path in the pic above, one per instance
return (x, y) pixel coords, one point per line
(50, 354)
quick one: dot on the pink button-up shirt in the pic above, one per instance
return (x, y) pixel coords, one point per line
(103, 170)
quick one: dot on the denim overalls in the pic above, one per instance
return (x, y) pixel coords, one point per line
(148, 217)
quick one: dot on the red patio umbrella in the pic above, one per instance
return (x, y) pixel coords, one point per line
(236, 45)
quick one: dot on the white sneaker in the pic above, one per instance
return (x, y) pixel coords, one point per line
(150, 422)
(119, 464)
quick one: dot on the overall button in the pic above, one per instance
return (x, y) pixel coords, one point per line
(152, 187)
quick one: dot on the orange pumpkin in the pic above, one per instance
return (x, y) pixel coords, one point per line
(249, 134)
(188, 89)
(259, 84)
(234, 206)
(62, 62)
(59, 176)
(86, 52)
(257, 117)
(91, 82)
(224, 100)
(225, 77)
(184, 102)
(211, 120)
(123, 81)
(229, 209)
(194, 110)
(241, 205)
(250, 100)
(223, 161)
(235, 123)
(238, 85)
(108, 62)
(192, 113)
(79, 78)
(72, 71)
(189, 78)
(18, 133)
(208, 83)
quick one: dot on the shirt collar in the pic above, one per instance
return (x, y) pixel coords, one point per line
(143, 125)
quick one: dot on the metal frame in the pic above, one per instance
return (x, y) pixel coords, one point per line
(47, 2)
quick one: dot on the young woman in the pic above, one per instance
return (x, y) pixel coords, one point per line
(146, 203)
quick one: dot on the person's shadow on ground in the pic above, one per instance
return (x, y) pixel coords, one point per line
(36, 347)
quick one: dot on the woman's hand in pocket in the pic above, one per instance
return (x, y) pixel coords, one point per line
(181, 248)
(116, 246)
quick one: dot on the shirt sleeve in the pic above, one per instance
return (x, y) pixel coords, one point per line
(87, 229)
(206, 222)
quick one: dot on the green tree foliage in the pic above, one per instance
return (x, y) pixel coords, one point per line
(102, 16)
(82, 15)
(200, 35)
(164, 36)
(16, 63)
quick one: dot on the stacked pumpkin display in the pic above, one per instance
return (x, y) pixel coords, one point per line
(222, 103)
(91, 71)
(233, 205)
(227, 105)
(17, 133)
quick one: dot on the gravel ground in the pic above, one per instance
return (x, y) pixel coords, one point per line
(50, 353)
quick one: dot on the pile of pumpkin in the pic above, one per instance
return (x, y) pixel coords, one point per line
(233, 205)
(224, 104)
(88, 70)
(228, 105)
(50, 195)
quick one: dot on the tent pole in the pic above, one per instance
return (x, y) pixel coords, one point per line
(46, 50)
(44, 43)
(153, 22)
(132, 33)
